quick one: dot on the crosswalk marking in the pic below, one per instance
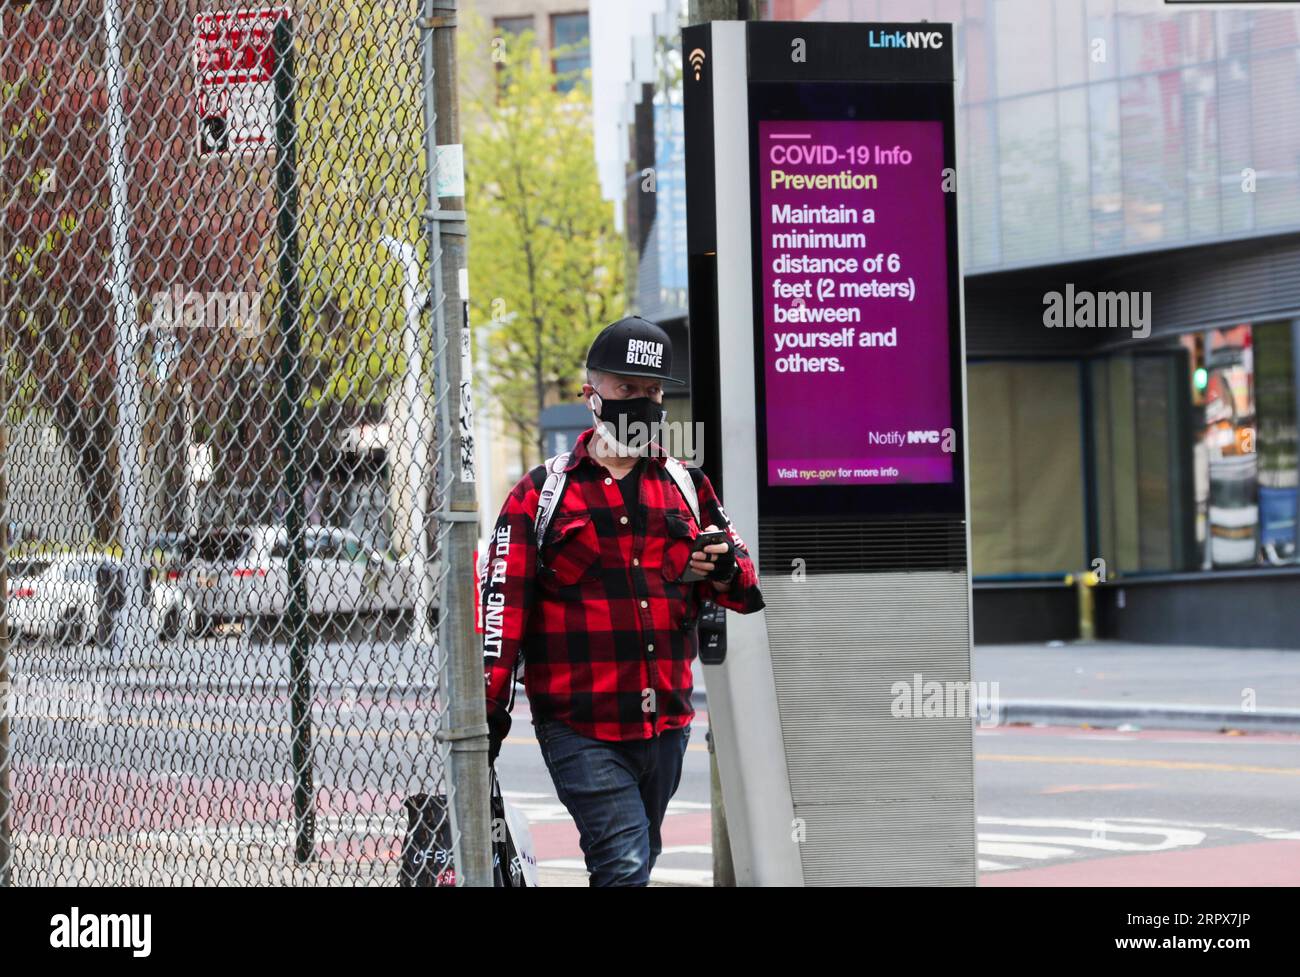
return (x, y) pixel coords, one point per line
(1003, 843)
(1073, 837)
(680, 876)
(546, 808)
(1174, 836)
(1007, 849)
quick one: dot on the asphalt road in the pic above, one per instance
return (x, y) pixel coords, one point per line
(183, 762)
(1054, 806)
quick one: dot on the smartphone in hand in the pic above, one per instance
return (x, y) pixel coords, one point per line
(706, 538)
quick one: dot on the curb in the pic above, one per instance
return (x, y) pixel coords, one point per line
(1153, 715)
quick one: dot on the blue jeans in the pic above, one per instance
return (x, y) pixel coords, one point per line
(617, 794)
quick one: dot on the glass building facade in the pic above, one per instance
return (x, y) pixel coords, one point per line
(1095, 136)
(1098, 127)
(1110, 146)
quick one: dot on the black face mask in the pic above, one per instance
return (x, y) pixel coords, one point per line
(633, 423)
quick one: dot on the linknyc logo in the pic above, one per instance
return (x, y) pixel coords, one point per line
(931, 40)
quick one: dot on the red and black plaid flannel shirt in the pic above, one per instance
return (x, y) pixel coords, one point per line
(604, 625)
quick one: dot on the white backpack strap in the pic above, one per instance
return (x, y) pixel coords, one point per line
(552, 489)
(685, 485)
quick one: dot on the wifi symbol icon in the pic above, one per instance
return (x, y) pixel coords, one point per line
(696, 59)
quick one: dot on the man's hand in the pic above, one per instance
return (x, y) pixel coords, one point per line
(498, 728)
(705, 561)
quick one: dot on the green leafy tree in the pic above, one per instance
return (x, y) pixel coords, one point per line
(361, 171)
(203, 226)
(546, 261)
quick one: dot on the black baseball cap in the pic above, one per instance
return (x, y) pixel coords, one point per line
(634, 347)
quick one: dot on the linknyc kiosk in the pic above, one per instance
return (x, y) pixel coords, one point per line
(828, 369)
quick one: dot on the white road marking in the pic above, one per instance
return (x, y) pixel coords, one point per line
(1050, 838)
(540, 812)
(1104, 843)
(1273, 834)
(682, 876)
(546, 808)
(987, 865)
(1007, 850)
(1174, 835)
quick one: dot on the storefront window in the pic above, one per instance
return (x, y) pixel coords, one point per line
(1196, 452)
(1142, 482)
(1224, 450)
(1026, 478)
(1245, 451)
(1275, 395)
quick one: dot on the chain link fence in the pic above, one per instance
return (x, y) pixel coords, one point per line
(220, 447)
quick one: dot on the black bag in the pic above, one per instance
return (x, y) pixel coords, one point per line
(426, 850)
(507, 868)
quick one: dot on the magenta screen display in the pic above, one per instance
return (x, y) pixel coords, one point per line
(855, 303)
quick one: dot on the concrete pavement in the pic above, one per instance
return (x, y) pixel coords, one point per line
(1116, 683)
(1112, 683)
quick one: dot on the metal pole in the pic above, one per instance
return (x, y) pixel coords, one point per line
(465, 730)
(703, 11)
(6, 698)
(291, 425)
(132, 617)
(484, 439)
(415, 452)
(1295, 406)
(724, 870)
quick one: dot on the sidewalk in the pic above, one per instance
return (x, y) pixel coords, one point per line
(1114, 683)
(1111, 683)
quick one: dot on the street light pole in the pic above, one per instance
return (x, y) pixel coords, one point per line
(292, 429)
(413, 449)
(131, 617)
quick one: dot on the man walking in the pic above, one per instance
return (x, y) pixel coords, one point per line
(602, 608)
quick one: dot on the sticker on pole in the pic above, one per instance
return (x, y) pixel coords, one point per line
(235, 64)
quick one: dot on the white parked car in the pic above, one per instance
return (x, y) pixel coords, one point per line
(243, 574)
(71, 597)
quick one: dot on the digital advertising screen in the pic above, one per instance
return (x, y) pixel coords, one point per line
(855, 310)
(856, 324)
